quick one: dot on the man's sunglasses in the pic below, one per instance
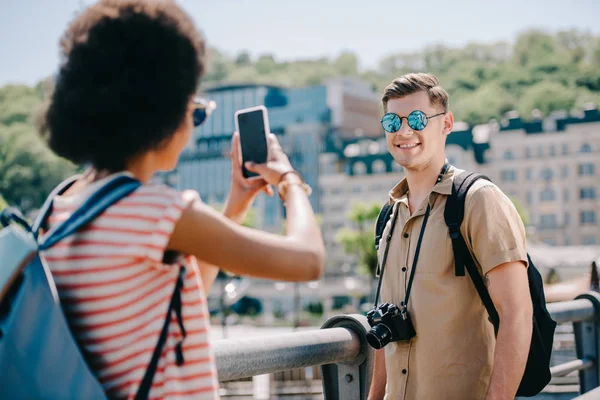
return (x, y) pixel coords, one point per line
(417, 120)
(202, 109)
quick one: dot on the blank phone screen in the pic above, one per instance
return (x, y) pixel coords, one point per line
(253, 139)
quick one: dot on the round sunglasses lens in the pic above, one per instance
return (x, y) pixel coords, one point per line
(390, 123)
(417, 120)
(199, 116)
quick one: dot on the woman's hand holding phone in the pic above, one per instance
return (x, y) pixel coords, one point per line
(243, 191)
(277, 163)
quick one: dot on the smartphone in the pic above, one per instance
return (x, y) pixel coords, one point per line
(253, 126)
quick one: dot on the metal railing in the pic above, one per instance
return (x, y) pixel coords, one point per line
(340, 348)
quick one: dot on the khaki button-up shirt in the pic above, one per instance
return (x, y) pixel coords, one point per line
(452, 353)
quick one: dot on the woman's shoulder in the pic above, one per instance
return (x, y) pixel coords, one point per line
(162, 194)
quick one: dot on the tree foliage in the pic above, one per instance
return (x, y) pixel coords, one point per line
(540, 70)
(360, 239)
(28, 169)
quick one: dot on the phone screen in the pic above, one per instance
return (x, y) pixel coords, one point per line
(253, 139)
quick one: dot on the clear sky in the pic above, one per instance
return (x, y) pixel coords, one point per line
(292, 29)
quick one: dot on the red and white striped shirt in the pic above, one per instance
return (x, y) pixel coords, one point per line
(115, 291)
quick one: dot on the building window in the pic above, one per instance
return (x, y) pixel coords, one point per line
(356, 189)
(337, 190)
(588, 217)
(508, 155)
(586, 169)
(547, 195)
(552, 150)
(378, 167)
(567, 220)
(585, 148)
(550, 242)
(566, 196)
(547, 174)
(565, 149)
(589, 240)
(509, 175)
(529, 198)
(529, 174)
(587, 193)
(540, 151)
(548, 221)
(359, 168)
(565, 171)
(527, 152)
(568, 241)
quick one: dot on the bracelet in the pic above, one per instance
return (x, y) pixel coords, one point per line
(290, 172)
(282, 189)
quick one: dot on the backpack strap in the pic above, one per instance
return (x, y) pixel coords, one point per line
(174, 305)
(112, 191)
(454, 214)
(382, 219)
(42, 217)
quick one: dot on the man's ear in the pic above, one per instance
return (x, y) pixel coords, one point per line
(448, 123)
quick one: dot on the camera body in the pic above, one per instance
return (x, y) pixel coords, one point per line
(389, 323)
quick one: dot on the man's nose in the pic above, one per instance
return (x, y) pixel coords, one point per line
(405, 130)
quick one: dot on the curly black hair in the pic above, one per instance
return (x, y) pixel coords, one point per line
(128, 70)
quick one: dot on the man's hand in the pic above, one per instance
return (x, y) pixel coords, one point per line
(508, 286)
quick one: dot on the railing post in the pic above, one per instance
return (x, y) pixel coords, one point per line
(587, 344)
(350, 380)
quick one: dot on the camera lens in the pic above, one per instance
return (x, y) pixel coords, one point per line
(379, 336)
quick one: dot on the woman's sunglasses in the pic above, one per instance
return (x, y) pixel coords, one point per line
(417, 120)
(202, 109)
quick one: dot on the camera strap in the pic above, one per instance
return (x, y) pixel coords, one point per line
(404, 306)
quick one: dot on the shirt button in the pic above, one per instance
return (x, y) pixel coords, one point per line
(405, 235)
(404, 371)
(403, 269)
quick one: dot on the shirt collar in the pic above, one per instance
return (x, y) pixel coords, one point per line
(399, 194)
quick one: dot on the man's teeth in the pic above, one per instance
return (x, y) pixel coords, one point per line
(408, 146)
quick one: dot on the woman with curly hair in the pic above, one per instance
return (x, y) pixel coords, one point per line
(125, 103)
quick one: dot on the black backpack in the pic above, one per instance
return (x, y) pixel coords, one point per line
(537, 371)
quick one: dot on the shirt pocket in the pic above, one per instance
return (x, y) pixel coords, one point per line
(435, 254)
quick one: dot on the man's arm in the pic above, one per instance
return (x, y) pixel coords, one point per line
(377, 390)
(509, 289)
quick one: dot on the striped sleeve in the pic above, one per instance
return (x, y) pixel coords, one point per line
(174, 203)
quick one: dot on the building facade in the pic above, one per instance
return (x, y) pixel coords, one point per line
(552, 167)
(301, 117)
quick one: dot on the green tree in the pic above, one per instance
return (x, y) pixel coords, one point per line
(547, 97)
(346, 63)
(28, 169)
(3, 203)
(360, 239)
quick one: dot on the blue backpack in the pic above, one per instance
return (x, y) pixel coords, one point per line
(39, 357)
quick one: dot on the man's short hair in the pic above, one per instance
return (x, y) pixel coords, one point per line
(413, 83)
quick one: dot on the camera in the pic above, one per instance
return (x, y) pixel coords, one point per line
(389, 323)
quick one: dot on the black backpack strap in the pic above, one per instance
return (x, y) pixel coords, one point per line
(174, 305)
(454, 214)
(382, 219)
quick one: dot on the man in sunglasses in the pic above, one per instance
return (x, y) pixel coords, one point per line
(455, 353)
